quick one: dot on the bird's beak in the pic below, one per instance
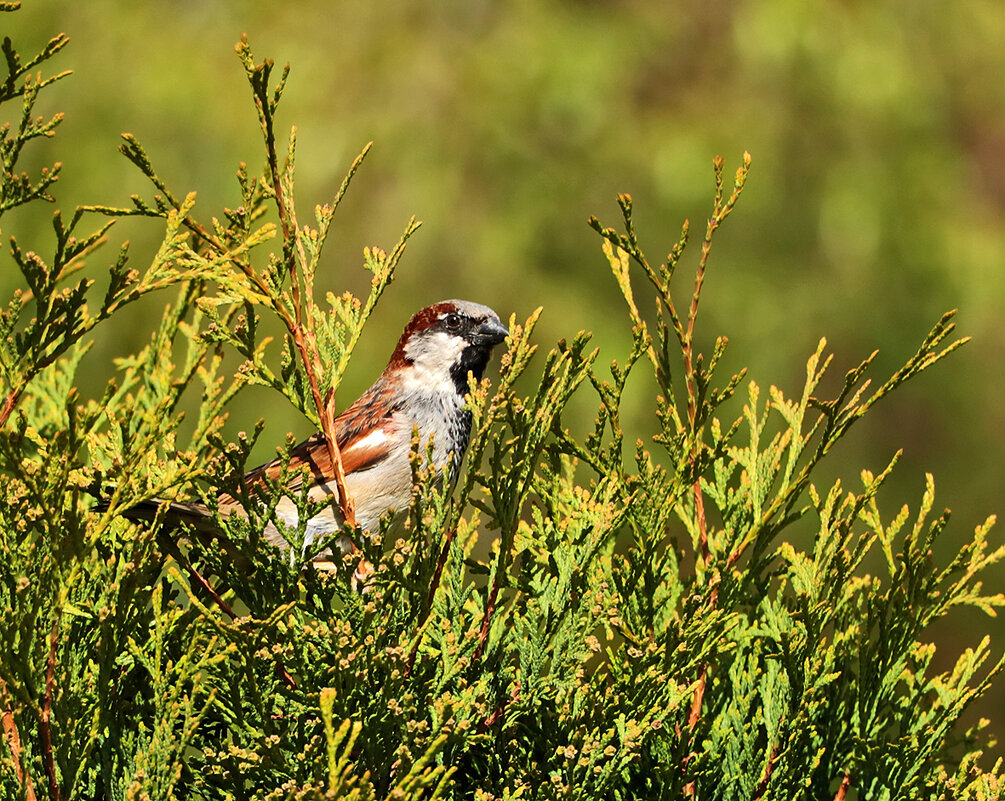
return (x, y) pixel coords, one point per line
(490, 332)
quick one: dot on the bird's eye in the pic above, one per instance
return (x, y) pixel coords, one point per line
(452, 321)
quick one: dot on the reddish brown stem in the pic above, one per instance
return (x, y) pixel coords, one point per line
(45, 721)
(304, 339)
(444, 553)
(198, 579)
(762, 786)
(326, 413)
(285, 675)
(483, 635)
(440, 562)
(699, 510)
(308, 354)
(8, 405)
(346, 504)
(490, 721)
(694, 715)
(843, 789)
(699, 694)
(194, 574)
(699, 691)
(686, 335)
(13, 737)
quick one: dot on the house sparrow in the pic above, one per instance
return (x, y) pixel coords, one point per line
(423, 386)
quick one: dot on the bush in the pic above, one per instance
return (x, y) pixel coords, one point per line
(584, 616)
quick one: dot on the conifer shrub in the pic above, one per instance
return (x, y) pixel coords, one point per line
(595, 616)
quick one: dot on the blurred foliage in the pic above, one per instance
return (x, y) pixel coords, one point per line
(878, 131)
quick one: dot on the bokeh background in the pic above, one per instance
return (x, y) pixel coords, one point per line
(875, 202)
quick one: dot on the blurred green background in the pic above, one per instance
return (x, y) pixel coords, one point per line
(875, 202)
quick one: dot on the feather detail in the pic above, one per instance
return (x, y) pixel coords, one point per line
(362, 433)
(195, 514)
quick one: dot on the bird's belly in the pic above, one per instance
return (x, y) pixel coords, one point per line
(384, 487)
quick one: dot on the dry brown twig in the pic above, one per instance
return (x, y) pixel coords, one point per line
(13, 737)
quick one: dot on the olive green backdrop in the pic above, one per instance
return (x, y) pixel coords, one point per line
(875, 203)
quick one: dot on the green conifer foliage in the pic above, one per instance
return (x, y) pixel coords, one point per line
(584, 616)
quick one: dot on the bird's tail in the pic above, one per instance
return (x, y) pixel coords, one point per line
(171, 513)
(200, 520)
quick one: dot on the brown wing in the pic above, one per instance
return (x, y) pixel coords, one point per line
(362, 432)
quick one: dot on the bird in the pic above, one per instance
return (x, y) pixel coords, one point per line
(423, 388)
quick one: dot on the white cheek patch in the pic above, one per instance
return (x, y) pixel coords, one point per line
(432, 356)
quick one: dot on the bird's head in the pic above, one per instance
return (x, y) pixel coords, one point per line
(444, 342)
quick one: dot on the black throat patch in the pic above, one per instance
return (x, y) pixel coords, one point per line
(473, 360)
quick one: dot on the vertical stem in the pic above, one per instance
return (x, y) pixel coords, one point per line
(843, 789)
(13, 737)
(483, 635)
(433, 585)
(692, 414)
(302, 335)
(694, 715)
(505, 543)
(689, 371)
(762, 787)
(45, 723)
(444, 552)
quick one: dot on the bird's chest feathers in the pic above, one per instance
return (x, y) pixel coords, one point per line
(441, 417)
(430, 394)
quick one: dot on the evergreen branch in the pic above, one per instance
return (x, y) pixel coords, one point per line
(438, 570)
(172, 548)
(45, 723)
(279, 667)
(300, 269)
(691, 380)
(13, 738)
(434, 585)
(490, 608)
